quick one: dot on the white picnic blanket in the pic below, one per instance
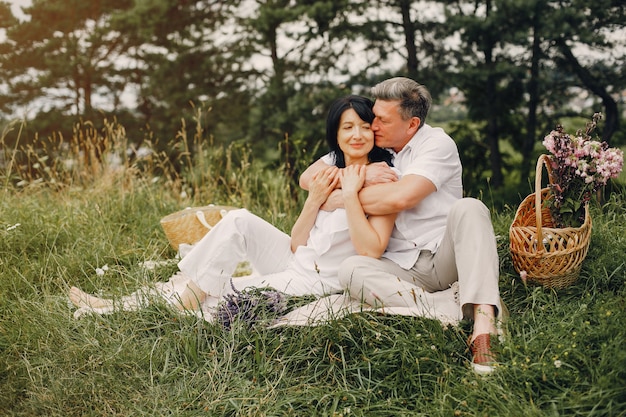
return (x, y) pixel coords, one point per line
(441, 305)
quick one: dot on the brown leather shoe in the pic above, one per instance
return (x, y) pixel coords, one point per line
(483, 359)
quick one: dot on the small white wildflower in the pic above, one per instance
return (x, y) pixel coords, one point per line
(99, 272)
(557, 363)
(15, 226)
(183, 194)
(433, 347)
(524, 276)
(105, 268)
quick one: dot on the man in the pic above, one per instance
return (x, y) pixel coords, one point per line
(439, 237)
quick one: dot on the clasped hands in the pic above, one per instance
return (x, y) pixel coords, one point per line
(331, 184)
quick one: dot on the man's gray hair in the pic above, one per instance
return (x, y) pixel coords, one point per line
(415, 99)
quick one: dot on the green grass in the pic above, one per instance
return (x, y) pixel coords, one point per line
(564, 352)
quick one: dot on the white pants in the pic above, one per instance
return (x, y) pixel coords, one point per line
(242, 236)
(467, 253)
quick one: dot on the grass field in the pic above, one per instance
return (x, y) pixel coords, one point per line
(564, 354)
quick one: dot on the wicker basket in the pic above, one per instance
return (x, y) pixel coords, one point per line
(549, 256)
(191, 224)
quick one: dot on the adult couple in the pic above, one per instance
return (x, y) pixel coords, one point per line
(418, 234)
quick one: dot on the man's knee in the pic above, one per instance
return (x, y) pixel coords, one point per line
(468, 206)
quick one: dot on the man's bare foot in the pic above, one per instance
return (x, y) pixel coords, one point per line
(483, 358)
(484, 320)
(81, 299)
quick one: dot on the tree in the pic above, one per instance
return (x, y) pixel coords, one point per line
(184, 58)
(423, 40)
(65, 52)
(7, 20)
(302, 42)
(588, 27)
(548, 32)
(485, 72)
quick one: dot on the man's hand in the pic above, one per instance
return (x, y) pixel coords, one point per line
(379, 173)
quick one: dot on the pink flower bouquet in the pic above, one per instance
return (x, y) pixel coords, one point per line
(580, 167)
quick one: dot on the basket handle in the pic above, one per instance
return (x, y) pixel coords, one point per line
(202, 219)
(543, 160)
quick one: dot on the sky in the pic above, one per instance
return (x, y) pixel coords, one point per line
(16, 6)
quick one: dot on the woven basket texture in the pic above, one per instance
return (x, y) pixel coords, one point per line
(184, 226)
(550, 256)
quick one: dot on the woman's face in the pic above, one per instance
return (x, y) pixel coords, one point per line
(355, 138)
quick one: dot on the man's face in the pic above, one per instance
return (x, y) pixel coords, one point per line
(390, 130)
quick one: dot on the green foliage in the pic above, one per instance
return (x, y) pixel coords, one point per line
(65, 55)
(562, 355)
(261, 65)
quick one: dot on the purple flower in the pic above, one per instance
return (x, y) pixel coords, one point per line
(250, 305)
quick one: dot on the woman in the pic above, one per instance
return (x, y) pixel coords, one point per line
(308, 261)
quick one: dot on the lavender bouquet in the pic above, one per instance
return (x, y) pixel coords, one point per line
(250, 306)
(580, 167)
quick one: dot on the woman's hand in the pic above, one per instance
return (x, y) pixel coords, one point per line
(352, 180)
(323, 183)
(320, 187)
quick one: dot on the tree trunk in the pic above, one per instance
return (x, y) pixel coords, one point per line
(495, 158)
(409, 38)
(533, 101)
(611, 115)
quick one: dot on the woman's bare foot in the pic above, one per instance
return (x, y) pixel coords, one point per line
(81, 299)
(191, 298)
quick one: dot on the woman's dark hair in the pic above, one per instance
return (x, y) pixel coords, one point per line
(363, 107)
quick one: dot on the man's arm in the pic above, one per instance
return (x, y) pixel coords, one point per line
(388, 198)
(376, 173)
(307, 176)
